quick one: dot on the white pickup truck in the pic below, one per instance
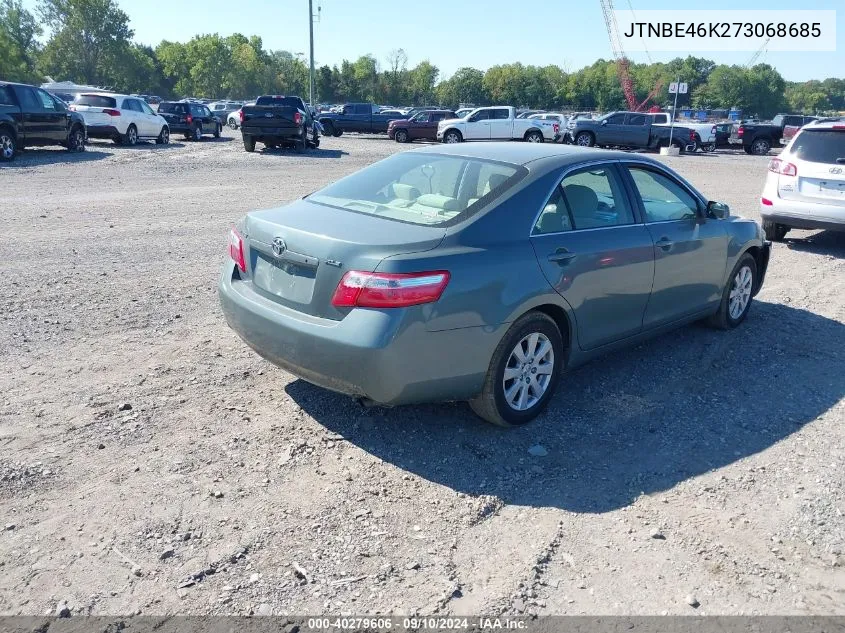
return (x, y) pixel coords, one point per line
(705, 133)
(497, 123)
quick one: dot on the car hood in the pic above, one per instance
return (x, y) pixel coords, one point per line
(399, 121)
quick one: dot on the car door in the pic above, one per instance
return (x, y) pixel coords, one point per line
(596, 253)
(690, 250)
(418, 125)
(636, 129)
(130, 115)
(33, 118)
(55, 119)
(153, 123)
(501, 125)
(613, 130)
(477, 127)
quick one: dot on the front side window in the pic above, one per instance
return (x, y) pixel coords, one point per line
(146, 108)
(46, 100)
(616, 119)
(663, 198)
(427, 189)
(595, 199)
(421, 117)
(481, 115)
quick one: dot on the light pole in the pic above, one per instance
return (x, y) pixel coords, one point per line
(311, 59)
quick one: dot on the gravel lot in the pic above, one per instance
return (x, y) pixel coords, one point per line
(152, 463)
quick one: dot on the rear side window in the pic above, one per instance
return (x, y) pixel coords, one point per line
(96, 101)
(639, 119)
(6, 95)
(499, 113)
(820, 146)
(595, 199)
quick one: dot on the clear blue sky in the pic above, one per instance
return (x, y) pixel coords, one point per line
(453, 33)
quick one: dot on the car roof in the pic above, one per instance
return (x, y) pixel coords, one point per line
(826, 125)
(524, 153)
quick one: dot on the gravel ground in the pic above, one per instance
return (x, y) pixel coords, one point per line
(151, 463)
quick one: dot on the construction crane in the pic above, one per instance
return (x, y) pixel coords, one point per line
(759, 52)
(622, 63)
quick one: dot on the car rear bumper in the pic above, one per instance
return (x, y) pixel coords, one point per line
(804, 215)
(386, 356)
(285, 131)
(102, 131)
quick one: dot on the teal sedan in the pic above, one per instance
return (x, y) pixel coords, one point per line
(483, 272)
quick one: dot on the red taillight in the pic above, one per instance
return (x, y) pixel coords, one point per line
(111, 112)
(189, 119)
(241, 115)
(692, 135)
(297, 118)
(389, 290)
(783, 168)
(766, 202)
(236, 249)
(740, 131)
(556, 127)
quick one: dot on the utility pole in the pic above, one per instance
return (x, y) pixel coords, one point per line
(311, 60)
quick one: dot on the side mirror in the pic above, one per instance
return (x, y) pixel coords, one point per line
(604, 122)
(718, 210)
(472, 119)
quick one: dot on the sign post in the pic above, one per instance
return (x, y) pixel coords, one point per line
(676, 87)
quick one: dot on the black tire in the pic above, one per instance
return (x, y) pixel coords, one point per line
(453, 136)
(723, 319)
(131, 136)
(249, 143)
(328, 128)
(491, 404)
(217, 129)
(585, 139)
(775, 232)
(76, 140)
(760, 146)
(196, 132)
(746, 149)
(708, 148)
(232, 124)
(163, 136)
(336, 132)
(400, 136)
(8, 144)
(534, 137)
(300, 145)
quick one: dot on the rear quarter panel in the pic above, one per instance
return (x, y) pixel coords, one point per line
(743, 234)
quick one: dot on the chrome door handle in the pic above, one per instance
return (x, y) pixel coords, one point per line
(562, 256)
(665, 243)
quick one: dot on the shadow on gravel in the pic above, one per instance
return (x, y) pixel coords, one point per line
(311, 153)
(830, 243)
(138, 147)
(35, 157)
(634, 422)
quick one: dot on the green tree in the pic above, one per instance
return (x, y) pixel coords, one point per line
(19, 47)
(421, 79)
(88, 37)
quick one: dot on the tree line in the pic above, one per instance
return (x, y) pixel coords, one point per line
(91, 42)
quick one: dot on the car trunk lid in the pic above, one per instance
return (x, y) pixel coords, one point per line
(298, 253)
(96, 110)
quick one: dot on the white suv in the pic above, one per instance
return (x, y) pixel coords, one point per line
(122, 118)
(805, 188)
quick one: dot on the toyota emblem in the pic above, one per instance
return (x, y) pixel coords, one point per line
(279, 247)
(835, 170)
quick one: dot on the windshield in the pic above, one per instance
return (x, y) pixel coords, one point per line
(96, 101)
(422, 188)
(820, 146)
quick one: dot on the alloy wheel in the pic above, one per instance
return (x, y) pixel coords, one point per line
(7, 146)
(528, 371)
(740, 292)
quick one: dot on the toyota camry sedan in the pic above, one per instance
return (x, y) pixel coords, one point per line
(483, 272)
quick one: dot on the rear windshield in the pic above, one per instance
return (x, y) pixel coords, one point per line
(426, 189)
(172, 108)
(820, 146)
(293, 102)
(96, 101)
